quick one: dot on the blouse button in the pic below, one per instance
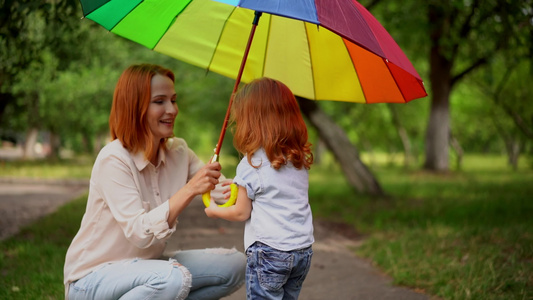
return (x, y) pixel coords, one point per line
(157, 193)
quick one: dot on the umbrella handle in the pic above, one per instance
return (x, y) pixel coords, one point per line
(237, 82)
(206, 197)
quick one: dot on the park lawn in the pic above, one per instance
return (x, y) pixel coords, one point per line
(31, 263)
(462, 235)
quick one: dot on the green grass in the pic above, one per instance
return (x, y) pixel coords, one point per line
(462, 235)
(78, 168)
(31, 263)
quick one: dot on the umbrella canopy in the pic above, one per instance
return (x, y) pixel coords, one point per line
(322, 49)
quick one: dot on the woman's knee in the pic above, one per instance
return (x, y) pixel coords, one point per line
(177, 282)
(234, 264)
(185, 277)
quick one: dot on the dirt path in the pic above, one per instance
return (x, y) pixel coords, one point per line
(336, 273)
(22, 201)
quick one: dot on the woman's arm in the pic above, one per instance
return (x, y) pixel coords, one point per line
(241, 211)
(203, 181)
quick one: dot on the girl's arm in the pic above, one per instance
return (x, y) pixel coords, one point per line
(239, 212)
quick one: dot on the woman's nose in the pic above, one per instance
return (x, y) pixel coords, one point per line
(172, 108)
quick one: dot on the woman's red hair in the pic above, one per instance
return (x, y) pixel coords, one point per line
(266, 115)
(127, 120)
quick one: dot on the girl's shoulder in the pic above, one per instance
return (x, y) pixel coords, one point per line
(258, 158)
(175, 143)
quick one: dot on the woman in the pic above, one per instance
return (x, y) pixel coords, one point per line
(140, 183)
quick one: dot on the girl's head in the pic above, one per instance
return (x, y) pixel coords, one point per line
(133, 118)
(266, 115)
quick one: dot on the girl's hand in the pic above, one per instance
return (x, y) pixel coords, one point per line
(211, 210)
(227, 190)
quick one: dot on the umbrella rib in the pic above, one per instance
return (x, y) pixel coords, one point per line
(266, 44)
(218, 41)
(354, 68)
(170, 24)
(311, 58)
(120, 18)
(387, 62)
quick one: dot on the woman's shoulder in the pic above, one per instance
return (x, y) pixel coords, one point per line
(113, 147)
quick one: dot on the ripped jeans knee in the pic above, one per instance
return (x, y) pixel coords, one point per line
(216, 272)
(185, 276)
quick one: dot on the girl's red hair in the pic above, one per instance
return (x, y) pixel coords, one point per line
(266, 115)
(127, 120)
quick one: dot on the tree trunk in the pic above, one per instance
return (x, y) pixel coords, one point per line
(402, 133)
(55, 146)
(101, 140)
(513, 152)
(29, 144)
(437, 135)
(438, 128)
(319, 148)
(458, 151)
(357, 174)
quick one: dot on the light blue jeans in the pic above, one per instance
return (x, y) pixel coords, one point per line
(192, 274)
(275, 274)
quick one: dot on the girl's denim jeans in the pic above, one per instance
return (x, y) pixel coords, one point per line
(191, 274)
(275, 274)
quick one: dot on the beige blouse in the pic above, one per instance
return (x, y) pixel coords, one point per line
(127, 208)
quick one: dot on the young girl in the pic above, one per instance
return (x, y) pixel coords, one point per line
(273, 185)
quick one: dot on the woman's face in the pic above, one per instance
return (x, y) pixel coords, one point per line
(163, 109)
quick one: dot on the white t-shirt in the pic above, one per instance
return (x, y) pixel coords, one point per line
(281, 215)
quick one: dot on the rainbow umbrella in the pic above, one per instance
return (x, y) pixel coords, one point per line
(322, 49)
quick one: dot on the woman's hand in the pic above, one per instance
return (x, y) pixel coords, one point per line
(205, 179)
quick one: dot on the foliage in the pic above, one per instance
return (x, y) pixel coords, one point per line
(67, 86)
(58, 74)
(450, 40)
(493, 111)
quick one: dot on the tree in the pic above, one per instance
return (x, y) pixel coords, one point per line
(29, 30)
(507, 84)
(62, 82)
(22, 38)
(463, 37)
(460, 37)
(356, 172)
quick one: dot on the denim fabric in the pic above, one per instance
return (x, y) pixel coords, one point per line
(274, 274)
(214, 273)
